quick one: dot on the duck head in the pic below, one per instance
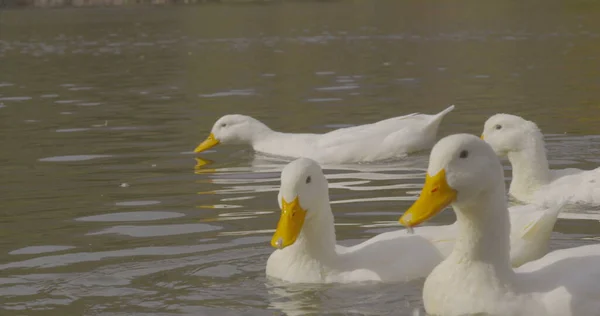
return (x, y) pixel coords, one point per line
(461, 168)
(302, 197)
(508, 133)
(232, 129)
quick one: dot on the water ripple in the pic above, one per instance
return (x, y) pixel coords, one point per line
(338, 88)
(131, 216)
(15, 98)
(157, 230)
(136, 203)
(39, 249)
(242, 92)
(73, 158)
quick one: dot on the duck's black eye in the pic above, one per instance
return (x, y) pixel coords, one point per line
(498, 126)
(223, 124)
(308, 179)
(464, 154)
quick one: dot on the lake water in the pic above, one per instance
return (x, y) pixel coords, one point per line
(105, 210)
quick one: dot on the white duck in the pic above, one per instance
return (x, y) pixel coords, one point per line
(306, 243)
(391, 138)
(532, 180)
(477, 277)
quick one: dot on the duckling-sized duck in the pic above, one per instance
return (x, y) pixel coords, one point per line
(390, 138)
(306, 243)
(477, 277)
(532, 180)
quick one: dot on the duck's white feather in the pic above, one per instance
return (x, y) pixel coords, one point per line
(533, 181)
(390, 138)
(531, 227)
(476, 279)
(566, 281)
(377, 259)
(578, 186)
(530, 230)
(388, 257)
(315, 257)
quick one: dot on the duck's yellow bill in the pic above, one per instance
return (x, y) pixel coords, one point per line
(290, 224)
(201, 164)
(208, 143)
(435, 196)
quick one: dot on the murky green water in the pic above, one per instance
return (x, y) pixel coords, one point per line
(104, 212)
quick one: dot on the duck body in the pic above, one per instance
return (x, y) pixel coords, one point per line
(570, 278)
(477, 277)
(562, 283)
(530, 230)
(387, 139)
(307, 251)
(315, 257)
(532, 179)
(372, 260)
(576, 185)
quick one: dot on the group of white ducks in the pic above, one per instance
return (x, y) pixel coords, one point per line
(493, 260)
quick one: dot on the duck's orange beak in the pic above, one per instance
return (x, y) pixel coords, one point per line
(435, 196)
(290, 224)
(210, 142)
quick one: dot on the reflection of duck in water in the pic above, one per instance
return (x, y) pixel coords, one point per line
(201, 164)
(322, 299)
(319, 299)
(390, 138)
(296, 299)
(263, 172)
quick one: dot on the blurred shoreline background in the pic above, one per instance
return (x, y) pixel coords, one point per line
(110, 3)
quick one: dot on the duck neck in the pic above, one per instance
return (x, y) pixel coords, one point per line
(484, 234)
(259, 131)
(530, 168)
(317, 238)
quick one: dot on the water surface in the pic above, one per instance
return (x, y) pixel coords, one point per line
(106, 211)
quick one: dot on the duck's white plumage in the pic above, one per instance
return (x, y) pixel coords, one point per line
(477, 277)
(315, 257)
(532, 179)
(390, 138)
(530, 230)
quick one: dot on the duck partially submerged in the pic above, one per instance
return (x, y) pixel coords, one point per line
(477, 277)
(532, 180)
(390, 138)
(306, 243)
